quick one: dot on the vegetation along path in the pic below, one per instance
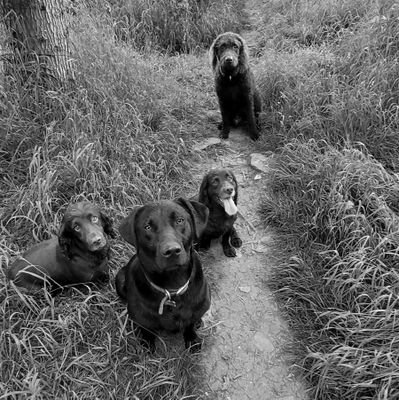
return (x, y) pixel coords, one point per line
(244, 356)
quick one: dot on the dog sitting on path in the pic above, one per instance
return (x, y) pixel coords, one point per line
(219, 192)
(164, 284)
(79, 254)
(238, 96)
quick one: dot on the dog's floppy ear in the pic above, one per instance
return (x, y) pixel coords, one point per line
(65, 237)
(203, 192)
(199, 214)
(243, 57)
(108, 225)
(213, 57)
(127, 227)
(235, 198)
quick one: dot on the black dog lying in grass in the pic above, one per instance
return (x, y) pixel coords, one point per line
(163, 283)
(79, 255)
(219, 192)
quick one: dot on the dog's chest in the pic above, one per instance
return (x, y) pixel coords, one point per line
(175, 318)
(231, 92)
(87, 269)
(156, 311)
(219, 222)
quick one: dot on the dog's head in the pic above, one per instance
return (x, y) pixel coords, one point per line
(163, 232)
(219, 186)
(84, 227)
(229, 54)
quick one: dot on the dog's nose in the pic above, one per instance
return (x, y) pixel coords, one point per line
(172, 250)
(229, 59)
(229, 190)
(97, 241)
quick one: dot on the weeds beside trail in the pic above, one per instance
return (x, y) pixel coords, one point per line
(339, 210)
(328, 71)
(332, 196)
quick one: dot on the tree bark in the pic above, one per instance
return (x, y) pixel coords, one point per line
(38, 41)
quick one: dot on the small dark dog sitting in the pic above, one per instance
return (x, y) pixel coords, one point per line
(79, 254)
(238, 96)
(219, 192)
(163, 283)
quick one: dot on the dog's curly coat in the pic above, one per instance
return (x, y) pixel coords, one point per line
(238, 96)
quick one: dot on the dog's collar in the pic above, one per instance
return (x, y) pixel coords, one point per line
(168, 293)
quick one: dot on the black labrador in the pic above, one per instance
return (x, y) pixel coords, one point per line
(163, 283)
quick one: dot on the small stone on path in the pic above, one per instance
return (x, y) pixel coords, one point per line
(213, 116)
(245, 289)
(260, 162)
(206, 143)
(263, 343)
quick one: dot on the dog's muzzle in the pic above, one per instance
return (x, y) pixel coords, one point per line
(229, 63)
(97, 242)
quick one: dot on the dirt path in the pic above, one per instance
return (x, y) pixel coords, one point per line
(243, 355)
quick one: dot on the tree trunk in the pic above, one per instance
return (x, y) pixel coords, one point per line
(38, 41)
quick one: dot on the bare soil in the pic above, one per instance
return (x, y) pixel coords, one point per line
(245, 335)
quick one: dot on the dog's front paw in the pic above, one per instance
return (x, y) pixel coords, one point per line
(102, 278)
(194, 345)
(191, 339)
(149, 345)
(229, 251)
(236, 242)
(147, 339)
(254, 135)
(224, 135)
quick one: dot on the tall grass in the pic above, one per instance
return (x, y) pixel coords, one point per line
(121, 136)
(175, 26)
(328, 74)
(81, 346)
(304, 23)
(339, 289)
(343, 88)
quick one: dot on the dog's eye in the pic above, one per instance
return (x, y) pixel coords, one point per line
(179, 220)
(147, 227)
(94, 219)
(76, 228)
(215, 181)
